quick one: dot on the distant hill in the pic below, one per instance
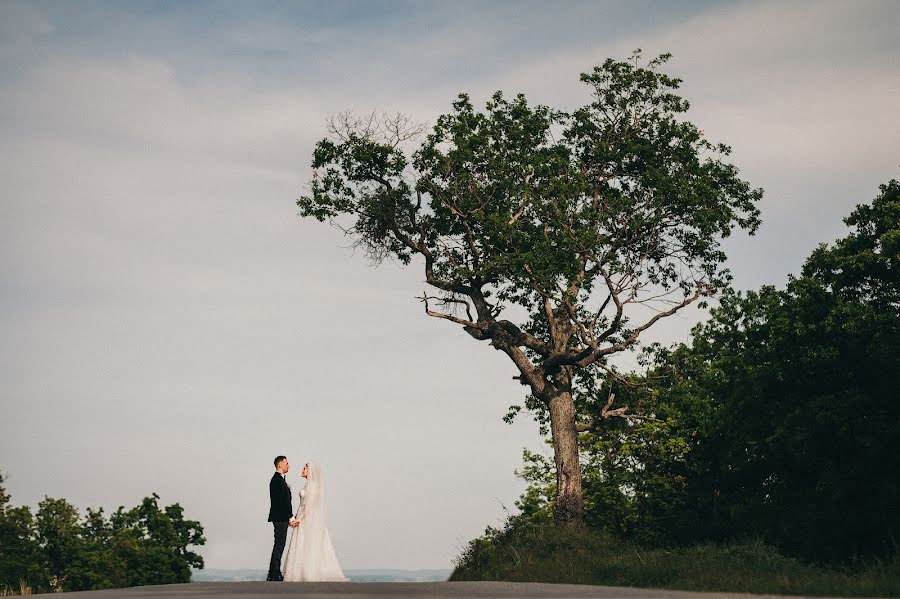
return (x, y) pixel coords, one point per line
(398, 575)
(373, 575)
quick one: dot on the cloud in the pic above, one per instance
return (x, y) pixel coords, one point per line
(22, 28)
(766, 73)
(160, 292)
(165, 312)
(801, 91)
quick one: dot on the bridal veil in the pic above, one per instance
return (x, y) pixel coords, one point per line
(311, 555)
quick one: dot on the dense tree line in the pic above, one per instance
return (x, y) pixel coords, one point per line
(780, 420)
(56, 548)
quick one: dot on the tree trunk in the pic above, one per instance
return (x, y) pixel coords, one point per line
(568, 508)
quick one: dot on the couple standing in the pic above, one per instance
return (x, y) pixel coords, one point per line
(310, 555)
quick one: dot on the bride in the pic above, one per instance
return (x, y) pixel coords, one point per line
(310, 555)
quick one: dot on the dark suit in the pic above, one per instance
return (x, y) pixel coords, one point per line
(280, 512)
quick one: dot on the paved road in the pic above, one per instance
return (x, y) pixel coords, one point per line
(403, 590)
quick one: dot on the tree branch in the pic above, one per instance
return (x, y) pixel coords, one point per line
(628, 341)
(607, 413)
(466, 323)
(589, 355)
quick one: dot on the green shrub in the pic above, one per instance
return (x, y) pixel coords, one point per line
(522, 552)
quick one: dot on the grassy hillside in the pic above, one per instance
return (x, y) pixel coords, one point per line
(545, 554)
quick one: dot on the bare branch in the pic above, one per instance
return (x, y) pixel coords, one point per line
(615, 375)
(466, 323)
(521, 209)
(628, 341)
(609, 402)
(520, 338)
(398, 128)
(614, 294)
(392, 129)
(607, 413)
(446, 301)
(516, 216)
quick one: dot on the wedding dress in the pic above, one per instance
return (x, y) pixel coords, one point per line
(310, 555)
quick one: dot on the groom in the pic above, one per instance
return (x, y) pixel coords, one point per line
(280, 514)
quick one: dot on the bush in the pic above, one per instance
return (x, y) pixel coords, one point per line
(525, 552)
(59, 550)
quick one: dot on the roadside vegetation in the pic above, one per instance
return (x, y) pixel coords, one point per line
(59, 549)
(529, 553)
(766, 452)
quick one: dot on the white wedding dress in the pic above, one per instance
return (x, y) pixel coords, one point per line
(310, 555)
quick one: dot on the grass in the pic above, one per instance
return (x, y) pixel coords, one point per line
(547, 554)
(24, 589)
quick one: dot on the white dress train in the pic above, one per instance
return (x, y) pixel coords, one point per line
(310, 555)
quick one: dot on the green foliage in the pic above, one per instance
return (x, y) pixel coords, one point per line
(524, 552)
(21, 561)
(518, 195)
(528, 205)
(779, 421)
(640, 474)
(60, 550)
(807, 446)
(155, 541)
(637, 471)
(573, 218)
(864, 267)
(59, 536)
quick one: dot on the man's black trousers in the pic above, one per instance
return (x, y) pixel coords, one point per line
(277, 549)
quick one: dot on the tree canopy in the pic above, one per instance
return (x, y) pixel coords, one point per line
(59, 549)
(595, 223)
(779, 420)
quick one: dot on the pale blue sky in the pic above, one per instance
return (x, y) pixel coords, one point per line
(169, 323)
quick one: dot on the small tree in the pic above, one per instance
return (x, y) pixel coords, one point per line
(155, 542)
(577, 218)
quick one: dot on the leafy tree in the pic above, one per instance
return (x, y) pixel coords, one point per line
(4, 496)
(21, 561)
(101, 565)
(154, 542)
(641, 471)
(60, 550)
(808, 438)
(779, 420)
(580, 220)
(59, 535)
(864, 267)
(645, 465)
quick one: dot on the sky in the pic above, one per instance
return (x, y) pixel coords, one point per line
(170, 324)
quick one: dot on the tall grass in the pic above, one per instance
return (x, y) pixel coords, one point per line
(24, 589)
(548, 554)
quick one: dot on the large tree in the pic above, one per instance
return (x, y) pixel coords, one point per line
(591, 225)
(779, 420)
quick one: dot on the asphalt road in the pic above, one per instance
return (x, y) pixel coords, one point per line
(406, 590)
